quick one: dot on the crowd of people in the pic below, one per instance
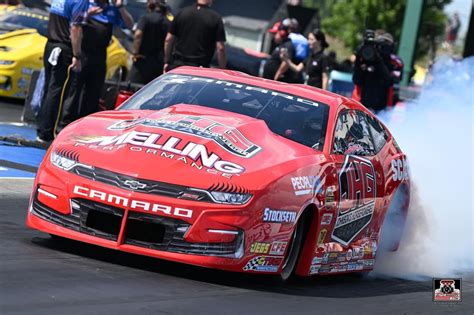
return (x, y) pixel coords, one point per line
(79, 32)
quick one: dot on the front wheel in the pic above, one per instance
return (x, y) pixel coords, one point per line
(296, 242)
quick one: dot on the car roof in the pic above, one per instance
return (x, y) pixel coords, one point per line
(301, 90)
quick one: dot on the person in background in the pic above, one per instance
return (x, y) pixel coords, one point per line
(300, 43)
(195, 33)
(452, 29)
(374, 77)
(103, 15)
(332, 61)
(148, 43)
(62, 55)
(275, 68)
(316, 65)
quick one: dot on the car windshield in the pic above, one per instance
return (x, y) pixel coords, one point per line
(293, 117)
(27, 19)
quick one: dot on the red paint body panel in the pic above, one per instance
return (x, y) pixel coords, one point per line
(348, 196)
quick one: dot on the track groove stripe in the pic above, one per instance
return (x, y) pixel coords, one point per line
(18, 166)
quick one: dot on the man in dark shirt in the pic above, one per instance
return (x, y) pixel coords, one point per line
(62, 54)
(198, 32)
(148, 43)
(103, 16)
(275, 68)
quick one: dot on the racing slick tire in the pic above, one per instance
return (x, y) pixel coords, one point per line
(57, 238)
(296, 243)
(394, 221)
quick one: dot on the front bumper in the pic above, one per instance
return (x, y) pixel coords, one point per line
(140, 229)
(178, 239)
(13, 84)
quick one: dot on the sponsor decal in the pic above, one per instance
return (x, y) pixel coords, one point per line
(305, 185)
(193, 154)
(354, 266)
(367, 263)
(322, 236)
(333, 257)
(278, 248)
(326, 219)
(27, 71)
(227, 137)
(399, 167)
(325, 258)
(358, 253)
(316, 260)
(325, 269)
(349, 254)
(338, 268)
(357, 199)
(263, 263)
(447, 290)
(22, 83)
(132, 204)
(260, 232)
(341, 257)
(314, 269)
(370, 248)
(260, 248)
(279, 216)
(329, 199)
(180, 79)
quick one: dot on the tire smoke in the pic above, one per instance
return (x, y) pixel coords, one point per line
(436, 133)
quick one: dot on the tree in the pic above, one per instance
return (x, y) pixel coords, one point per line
(349, 19)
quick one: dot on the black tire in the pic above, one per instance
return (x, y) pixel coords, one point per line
(394, 222)
(296, 243)
(56, 238)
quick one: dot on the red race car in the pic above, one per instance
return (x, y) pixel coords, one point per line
(223, 170)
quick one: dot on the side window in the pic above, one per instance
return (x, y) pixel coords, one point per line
(379, 134)
(352, 134)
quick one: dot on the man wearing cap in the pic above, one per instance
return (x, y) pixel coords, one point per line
(275, 68)
(197, 31)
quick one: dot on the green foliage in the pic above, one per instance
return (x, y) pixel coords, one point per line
(349, 18)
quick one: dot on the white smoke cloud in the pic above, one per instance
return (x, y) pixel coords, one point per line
(436, 132)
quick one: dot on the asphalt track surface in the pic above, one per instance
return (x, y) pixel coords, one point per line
(39, 275)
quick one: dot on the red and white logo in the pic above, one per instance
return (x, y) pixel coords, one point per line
(357, 198)
(227, 137)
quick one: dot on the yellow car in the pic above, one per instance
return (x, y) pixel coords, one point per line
(22, 42)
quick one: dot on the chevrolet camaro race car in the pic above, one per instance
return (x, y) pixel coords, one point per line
(22, 41)
(224, 170)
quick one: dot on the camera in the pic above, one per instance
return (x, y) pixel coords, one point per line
(368, 52)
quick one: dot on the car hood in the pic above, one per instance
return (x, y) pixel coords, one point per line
(14, 43)
(183, 144)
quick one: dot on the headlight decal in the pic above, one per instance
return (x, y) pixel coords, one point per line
(64, 159)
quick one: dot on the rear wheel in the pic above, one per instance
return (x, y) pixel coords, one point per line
(394, 221)
(57, 238)
(296, 243)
